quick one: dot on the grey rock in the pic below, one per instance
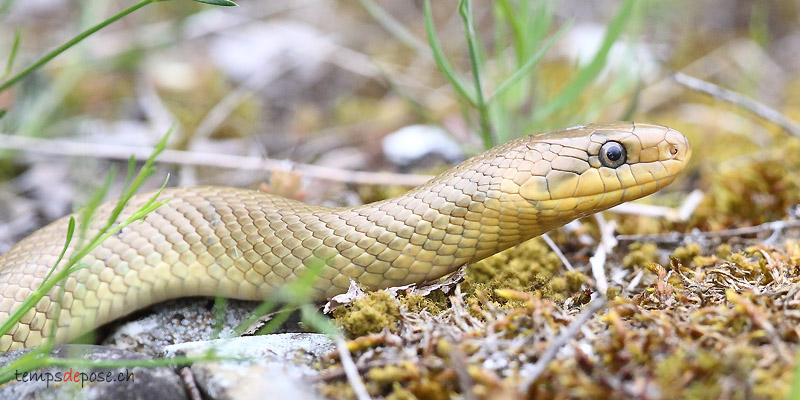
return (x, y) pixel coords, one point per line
(179, 321)
(117, 383)
(277, 364)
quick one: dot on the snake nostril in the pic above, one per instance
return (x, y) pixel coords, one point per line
(673, 149)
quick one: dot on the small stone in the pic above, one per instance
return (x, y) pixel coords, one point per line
(277, 364)
(411, 144)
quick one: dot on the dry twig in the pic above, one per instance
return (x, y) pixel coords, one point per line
(350, 369)
(115, 152)
(598, 260)
(554, 247)
(737, 99)
(676, 237)
(190, 384)
(532, 373)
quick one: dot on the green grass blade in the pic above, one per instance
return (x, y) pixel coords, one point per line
(94, 202)
(12, 56)
(220, 308)
(70, 233)
(276, 321)
(465, 9)
(319, 322)
(441, 60)
(529, 64)
(395, 28)
(261, 310)
(509, 14)
(72, 42)
(587, 74)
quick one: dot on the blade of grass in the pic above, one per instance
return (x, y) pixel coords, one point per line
(70, 233)
(12, 56)
(94, 201)
(319, 322)
(587, 74)
(465, 9)
(77, 39)
(441, 60)
(220, 307)
(529, 64)
(395, 28)
(276, 321)
(83, 35)
(517, 29)
(294, 294)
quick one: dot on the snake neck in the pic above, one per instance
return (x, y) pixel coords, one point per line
(460, 217)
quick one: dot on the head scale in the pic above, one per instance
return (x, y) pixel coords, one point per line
(567, 174)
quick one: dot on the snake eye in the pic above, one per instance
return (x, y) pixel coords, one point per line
(613, 154)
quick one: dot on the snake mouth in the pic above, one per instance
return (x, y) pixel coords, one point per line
(599, 201)
(560, 185)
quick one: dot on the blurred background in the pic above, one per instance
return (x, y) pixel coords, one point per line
(356, 86)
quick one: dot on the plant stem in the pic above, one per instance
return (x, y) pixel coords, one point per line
(395, 28)
(441, 59)
(465, 9)
(60, 49)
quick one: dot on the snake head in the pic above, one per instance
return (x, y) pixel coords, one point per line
(586, 169)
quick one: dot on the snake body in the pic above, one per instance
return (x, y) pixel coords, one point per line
(245, 244)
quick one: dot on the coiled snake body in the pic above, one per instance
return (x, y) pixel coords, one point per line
(244, 244)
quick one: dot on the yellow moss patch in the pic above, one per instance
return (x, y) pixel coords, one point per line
(369, 314)
(752, 190)
(640, 255)
(528, 267)
(685, 255)
(434, 303)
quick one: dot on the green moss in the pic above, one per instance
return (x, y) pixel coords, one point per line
(392, 379)
(690, 376)
(750, 268)
(430, 389)
(702, 374)
(340, 390)
(400, 393)
(640, 255)
(686, 254)
(528, 267)
(724, 250)
(434, 303)
(575, 279)
(753, 190)
(559, 284)
(369, 314)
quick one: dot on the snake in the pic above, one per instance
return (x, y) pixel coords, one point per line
(247, 244)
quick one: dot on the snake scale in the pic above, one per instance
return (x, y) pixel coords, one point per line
(245, 244)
